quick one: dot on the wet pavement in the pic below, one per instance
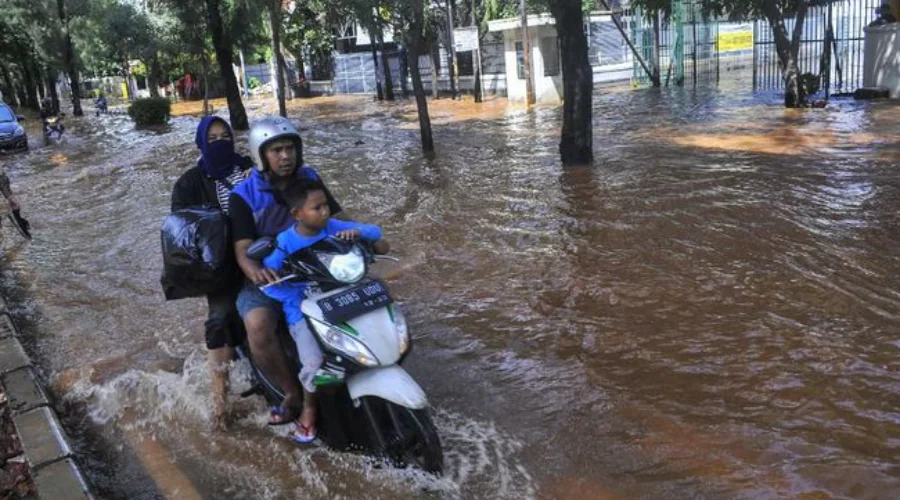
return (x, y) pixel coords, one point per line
(710, 310)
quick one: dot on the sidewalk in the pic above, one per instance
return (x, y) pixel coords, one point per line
(35, 452)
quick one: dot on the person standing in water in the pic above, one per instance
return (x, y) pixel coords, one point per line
(209, 183)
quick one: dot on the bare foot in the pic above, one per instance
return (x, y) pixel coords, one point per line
(219, 416)
(220, 422)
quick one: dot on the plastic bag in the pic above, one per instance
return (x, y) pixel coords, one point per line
(198, 257)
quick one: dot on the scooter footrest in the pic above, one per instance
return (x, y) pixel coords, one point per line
(256, 389)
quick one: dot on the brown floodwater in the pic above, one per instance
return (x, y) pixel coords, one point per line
(711, 310)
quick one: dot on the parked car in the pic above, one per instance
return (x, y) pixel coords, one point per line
(12, 135)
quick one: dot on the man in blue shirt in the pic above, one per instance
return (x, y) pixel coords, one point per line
(257, 209)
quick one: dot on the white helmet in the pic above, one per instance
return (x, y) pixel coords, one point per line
(267, 130)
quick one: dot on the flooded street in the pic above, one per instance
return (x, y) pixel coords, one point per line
(710, 311)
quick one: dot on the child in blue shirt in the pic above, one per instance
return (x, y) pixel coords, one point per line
(309, 207)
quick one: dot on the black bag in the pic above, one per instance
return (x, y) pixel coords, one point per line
(198, 257)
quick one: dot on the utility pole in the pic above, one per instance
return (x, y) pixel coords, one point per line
(526, 56)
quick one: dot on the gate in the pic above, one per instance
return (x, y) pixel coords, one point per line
(831, 47)
(680, 49)
(354, 73)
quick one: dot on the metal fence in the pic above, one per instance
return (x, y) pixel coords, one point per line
(681, 49)
(831, 47)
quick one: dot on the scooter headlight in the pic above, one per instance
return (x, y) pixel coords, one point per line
(19, 131)
(401, 329)
(344, 343)
(347, 267)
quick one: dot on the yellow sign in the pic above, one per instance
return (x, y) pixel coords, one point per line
(735, 40)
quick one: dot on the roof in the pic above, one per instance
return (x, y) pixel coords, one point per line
(544, 19)
(516, 22)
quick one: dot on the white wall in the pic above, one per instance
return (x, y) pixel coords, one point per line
(546, 88)
(881, 66)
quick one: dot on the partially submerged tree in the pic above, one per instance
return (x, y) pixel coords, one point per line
(66, 12)
(413, 12)
(576, 142)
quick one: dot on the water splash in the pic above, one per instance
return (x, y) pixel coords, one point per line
(174, 408)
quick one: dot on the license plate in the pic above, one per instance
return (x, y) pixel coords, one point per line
(353, 302)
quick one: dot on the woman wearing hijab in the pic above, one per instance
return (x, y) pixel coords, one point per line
(209, 183)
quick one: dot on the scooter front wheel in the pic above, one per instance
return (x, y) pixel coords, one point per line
(408, 437)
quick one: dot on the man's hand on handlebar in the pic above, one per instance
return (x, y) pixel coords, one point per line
(263, 276)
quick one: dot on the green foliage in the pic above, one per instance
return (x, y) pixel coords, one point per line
(148, 112)
(308, 26)
(115, 34)
(253, 82)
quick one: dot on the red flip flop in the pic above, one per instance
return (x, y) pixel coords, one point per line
(303, 434)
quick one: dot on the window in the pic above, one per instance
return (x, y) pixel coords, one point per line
(465, 64)
(6, 114)
(520, 60)
(550, 51)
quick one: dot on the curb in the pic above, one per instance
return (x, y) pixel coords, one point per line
(44, 443)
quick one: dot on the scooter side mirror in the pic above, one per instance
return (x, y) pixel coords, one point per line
(261, 248)
(20, 118)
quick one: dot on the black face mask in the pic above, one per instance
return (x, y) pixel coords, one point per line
(218, 159)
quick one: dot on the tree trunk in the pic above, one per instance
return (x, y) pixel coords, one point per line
(302, 90)
(526, 55)
(286, 74)
(301, 64)
(404, 70)
(435, 70)
(386, 70)
(479, 94)
(127, 74)
(415, 48)
(204, 68)
(69, 59)
(275, 22)
(576, 143)
(153, 76)
(225, 59)
(23, 96)
(378, 90)
(788, 49)
(451, 52)
(657, 53)
(39, 79)
(51, 87)
(31, 97)
(8, 89)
